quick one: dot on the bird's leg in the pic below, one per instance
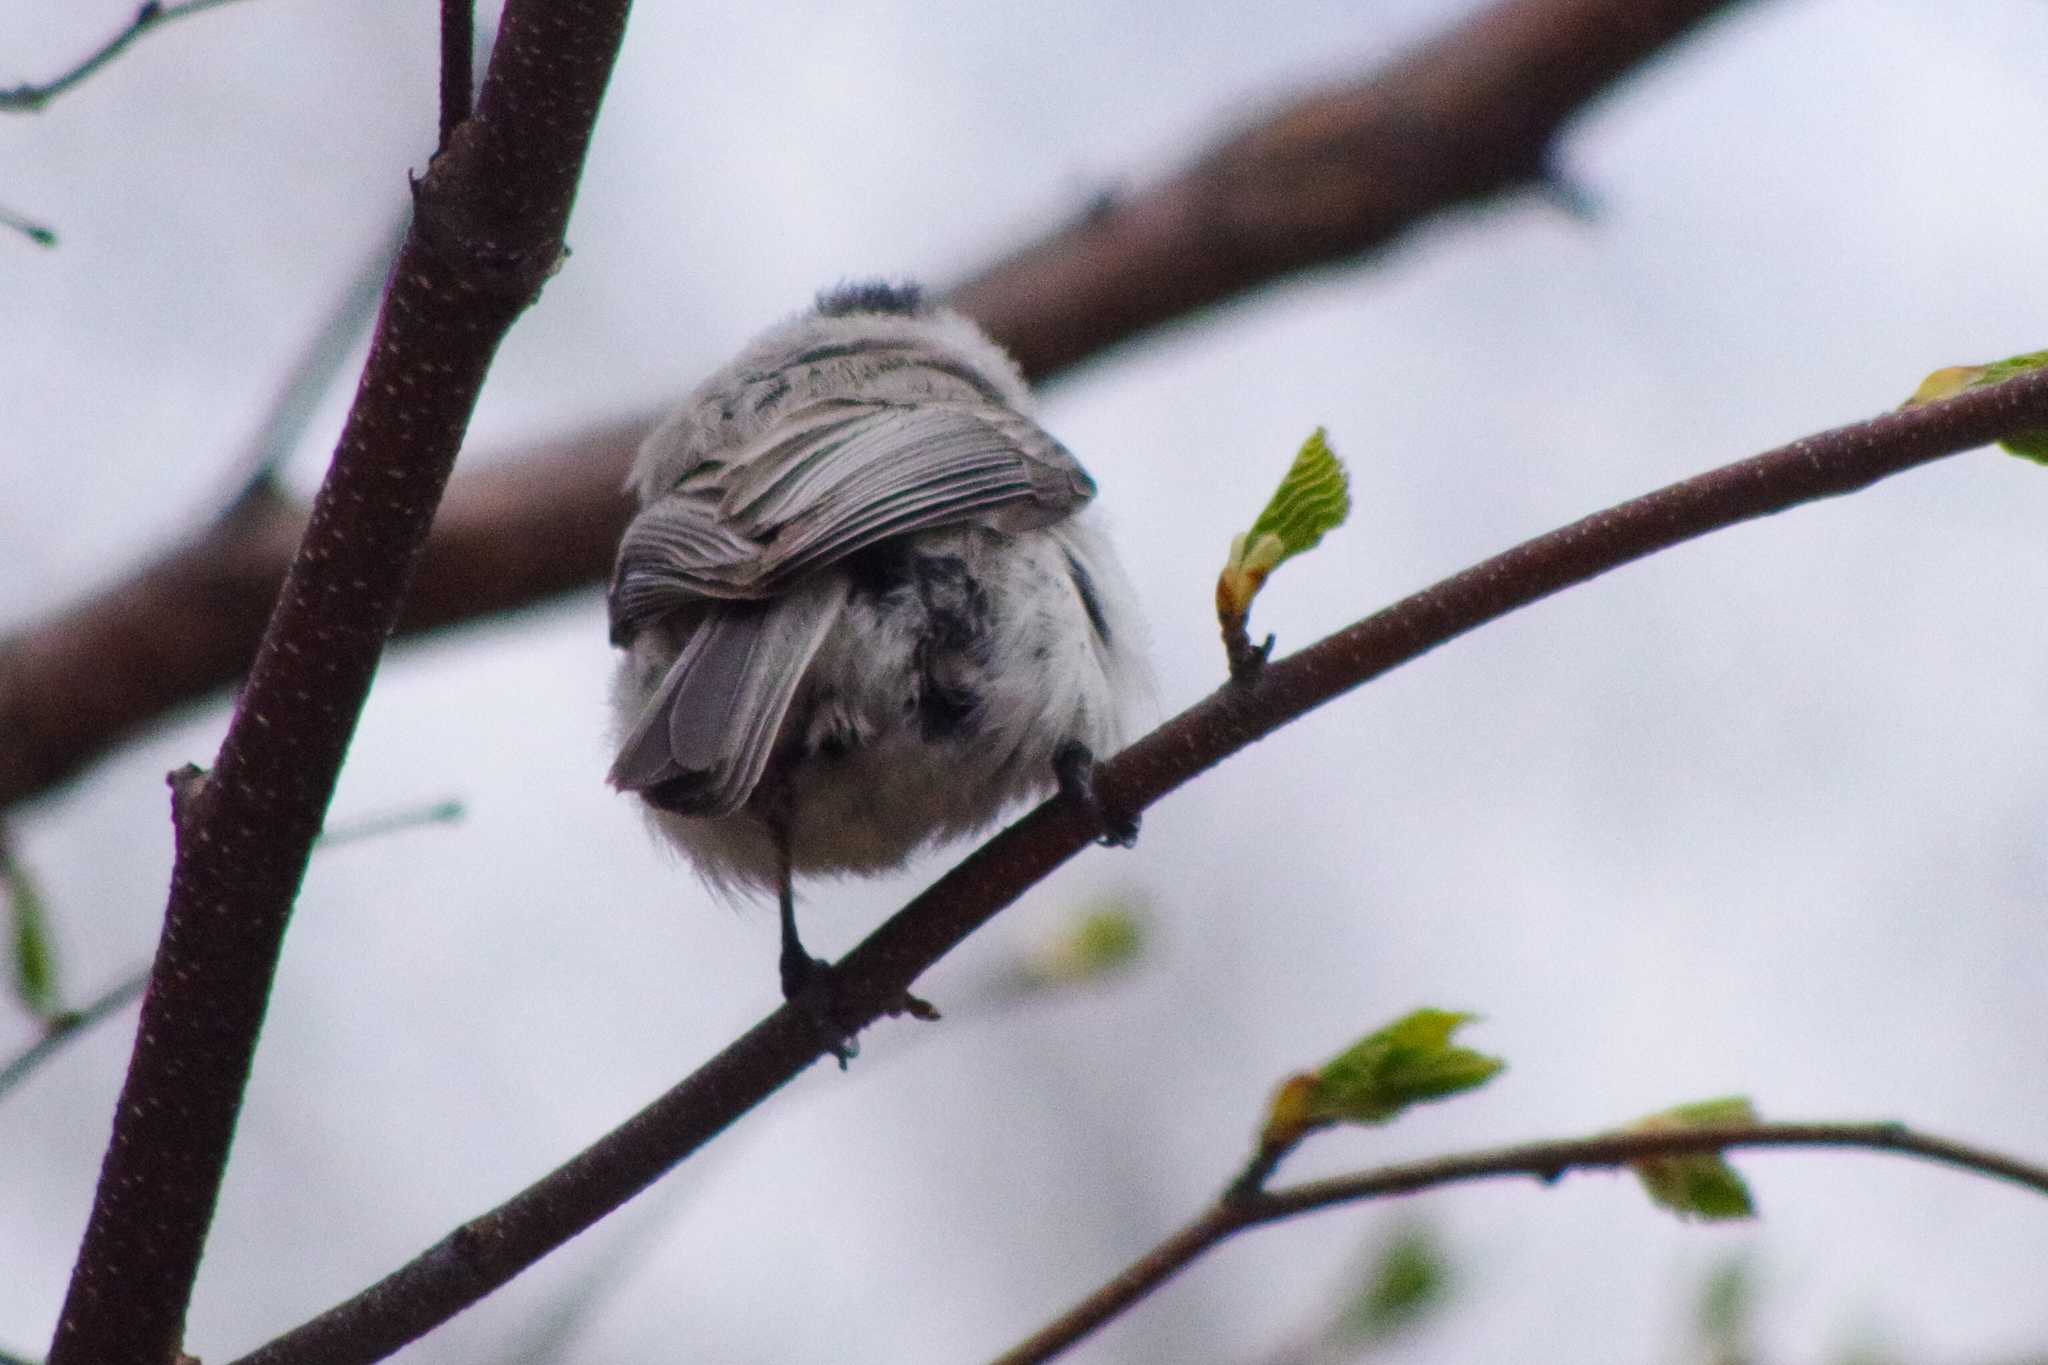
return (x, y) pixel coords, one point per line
(806, 980)
(1074, 765)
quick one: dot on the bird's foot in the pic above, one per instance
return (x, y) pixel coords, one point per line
(812, 985)
(1074, 765)
(809, 985)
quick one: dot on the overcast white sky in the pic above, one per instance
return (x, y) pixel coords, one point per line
(1764, 815)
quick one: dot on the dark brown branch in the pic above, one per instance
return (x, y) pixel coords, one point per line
(1470, 115)
(487, 232)
(458, 38)
(1323, 180)
(31, 99)
(1545, 1161)
(489, 1250)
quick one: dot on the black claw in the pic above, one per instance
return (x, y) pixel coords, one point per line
(808, 984)
(1074, 765)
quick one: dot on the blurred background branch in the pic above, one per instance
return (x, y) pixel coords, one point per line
(33, 98)
(1328, 177)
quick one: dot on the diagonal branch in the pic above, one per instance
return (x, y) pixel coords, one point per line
(1545, 1161)
(486, 233)
(494, 1247)
(1330, 176)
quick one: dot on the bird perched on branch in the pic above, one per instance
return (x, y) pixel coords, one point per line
(865, 606)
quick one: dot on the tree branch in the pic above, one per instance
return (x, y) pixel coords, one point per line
(486, 233)
(1544, 1161)
(1472, 114)
(458, 38)
(489, 1250)
(31, 99)
(1324, 179)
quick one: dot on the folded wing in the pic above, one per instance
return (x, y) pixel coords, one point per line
(831, 480)
(740, 538)
(707, 733)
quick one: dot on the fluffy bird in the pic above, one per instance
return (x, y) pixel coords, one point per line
(865, 605)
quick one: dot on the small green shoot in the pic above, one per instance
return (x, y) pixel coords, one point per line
(1100, 942)
(1701, 1186)
(1947, 383)
(1410, 1061)
(1408, 1282)
(1312, 500)
(34, 973)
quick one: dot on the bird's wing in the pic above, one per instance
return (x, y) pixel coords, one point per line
(706, 734)
(831, 479)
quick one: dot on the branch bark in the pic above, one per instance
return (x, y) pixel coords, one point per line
(1545, 1161)
(491, 1249)
(486, 233)
(1324, 179)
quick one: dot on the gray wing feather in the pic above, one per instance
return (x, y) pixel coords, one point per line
(831, 480)
(706, 734)
(735, 538)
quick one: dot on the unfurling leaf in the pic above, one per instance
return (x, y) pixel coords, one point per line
(1947, 383)
(35, 961)
(1702, 1185)
(1410, 1061)
(1312, 500)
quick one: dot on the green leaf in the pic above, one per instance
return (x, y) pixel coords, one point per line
(1410, 1061)
(1100, 942)
(1106, 940)
(1410, 1280)
(1311, 501)
(35, 960)
(1727, 1307)
(1946, 383)
(1703, 1186)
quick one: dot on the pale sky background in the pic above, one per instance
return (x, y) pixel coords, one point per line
(1763, 815)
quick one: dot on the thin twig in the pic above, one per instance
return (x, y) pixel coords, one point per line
(390, 822)
(458, 43)
(65, 1027)
(1545, 1161)
(39, 233)
(153, 14)
(546, 521)
(319, 363)
(487, 232)
(492, 1248)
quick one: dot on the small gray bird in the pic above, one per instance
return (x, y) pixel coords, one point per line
(865, 605)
